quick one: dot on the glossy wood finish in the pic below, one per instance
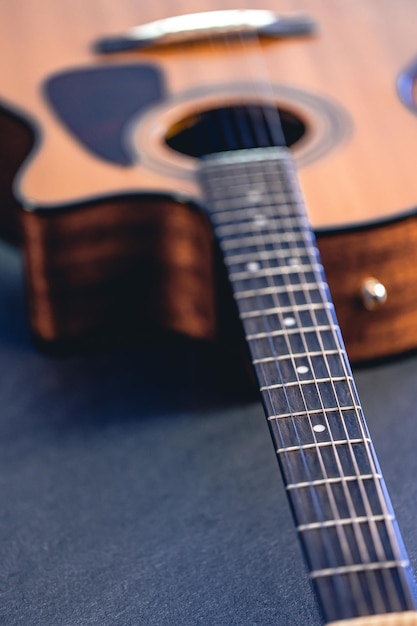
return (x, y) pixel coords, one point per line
(367, 175)
(16, 143)
(101, 246)
(73, 306)
(120, 268)
(380, 39)
(387, 251)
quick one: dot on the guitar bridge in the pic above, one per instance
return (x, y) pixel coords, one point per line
(197, 27)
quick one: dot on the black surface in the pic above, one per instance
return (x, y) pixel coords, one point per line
(136, 489)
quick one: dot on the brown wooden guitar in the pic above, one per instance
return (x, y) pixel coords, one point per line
(355, 136)
(115, 138)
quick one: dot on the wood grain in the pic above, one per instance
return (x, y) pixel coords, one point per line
(126, 267)
(367, 178)
(354, 62)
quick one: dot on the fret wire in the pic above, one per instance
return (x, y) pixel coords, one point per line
(221, 218)
(275, 290)
(224, 190)
(249, 213)
(246, 315)
(252, 194)
(274, 271)
(261, 255)
(287, 332)
(297, 355)
(335, 571)
(260, 222)
(268, 190)
(323, 290)
(258, 219)
(320, 444)
(279, 284)
(332, 481)
(304, 382)
(235, 204)
(346, 521)
(313, 412)
(278, 255)
(225, 203)
(223, 185)
(256, 240)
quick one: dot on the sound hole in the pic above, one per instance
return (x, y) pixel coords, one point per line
(235, 128)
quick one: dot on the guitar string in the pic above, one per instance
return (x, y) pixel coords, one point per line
(335, 393)
(340, 411)
(370, 457)
(394, 533)
(365, 435)
(374, 530)
(347, 437)
(244, 133)
(367, 445)
(245, 126)
(390, 529)
(306, 349)
(339, 528)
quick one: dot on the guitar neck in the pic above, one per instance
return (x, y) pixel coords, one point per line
(344, 518)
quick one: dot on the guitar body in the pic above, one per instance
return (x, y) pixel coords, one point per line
(99, 216)
(101, 155)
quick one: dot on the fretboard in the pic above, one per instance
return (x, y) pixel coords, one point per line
(343, 515)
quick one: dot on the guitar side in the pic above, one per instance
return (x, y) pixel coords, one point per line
(363, 182)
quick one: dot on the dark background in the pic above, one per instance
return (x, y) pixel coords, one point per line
(137, 487)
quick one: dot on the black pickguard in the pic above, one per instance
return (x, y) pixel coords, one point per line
(96, 105)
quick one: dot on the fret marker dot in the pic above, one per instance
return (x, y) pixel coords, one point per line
(254, 195)
(292, 261)
(289, 321)
(260, 220)
(319, 428)
(302, 369)
(253, 266)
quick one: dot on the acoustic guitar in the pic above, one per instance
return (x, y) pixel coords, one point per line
(119, 138)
